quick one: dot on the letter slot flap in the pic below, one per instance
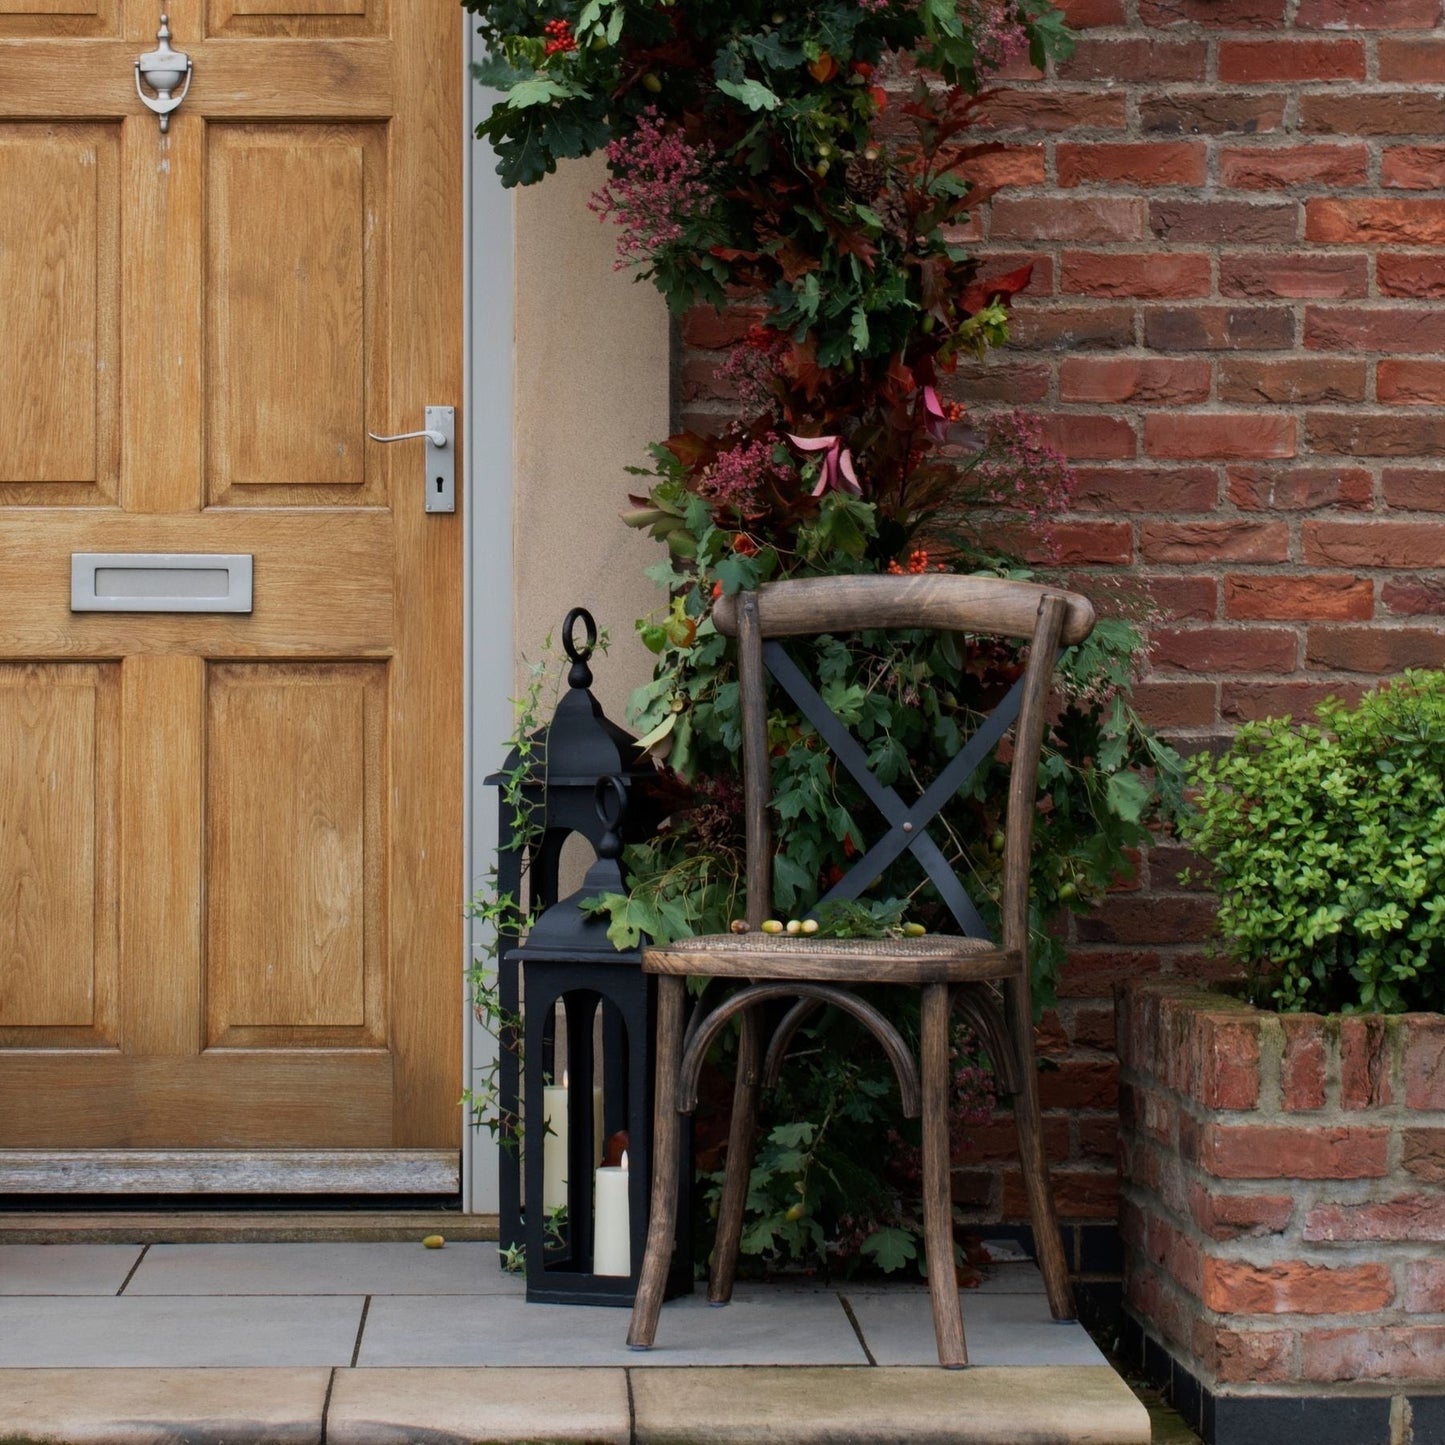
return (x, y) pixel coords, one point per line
(160, 582)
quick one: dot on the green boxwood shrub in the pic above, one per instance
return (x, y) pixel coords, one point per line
(1327, 843)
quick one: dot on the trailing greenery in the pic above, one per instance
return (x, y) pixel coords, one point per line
(1326, 843)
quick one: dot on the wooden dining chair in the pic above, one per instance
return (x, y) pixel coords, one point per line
(986, 981)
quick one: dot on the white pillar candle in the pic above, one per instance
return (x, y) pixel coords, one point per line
(612, 1222)
(554, 1145)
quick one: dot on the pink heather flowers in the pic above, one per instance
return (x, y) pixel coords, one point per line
(751, 369)
(655, 189)
(998, 37)
(735, 479)
(1021, 471)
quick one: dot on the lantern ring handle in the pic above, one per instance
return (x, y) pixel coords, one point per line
(569, 625)
(611, 799)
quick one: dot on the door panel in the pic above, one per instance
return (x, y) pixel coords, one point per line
(230, 872)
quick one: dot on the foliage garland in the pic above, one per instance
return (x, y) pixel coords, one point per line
(814, 163)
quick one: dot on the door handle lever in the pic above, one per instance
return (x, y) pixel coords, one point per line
(439, 461)
(436, 438)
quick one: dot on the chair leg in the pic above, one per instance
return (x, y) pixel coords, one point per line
(739, 1164)
(1031, 1158)
(666, 1135)
(937, 1196)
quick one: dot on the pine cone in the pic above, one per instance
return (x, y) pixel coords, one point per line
(865, 179)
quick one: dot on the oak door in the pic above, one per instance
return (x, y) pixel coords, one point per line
(230, 845)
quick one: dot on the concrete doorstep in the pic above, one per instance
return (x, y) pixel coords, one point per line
(671, 1405)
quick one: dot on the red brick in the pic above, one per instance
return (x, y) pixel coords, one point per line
(1367, 14)
(1218, 328)
(1425, 1287)
(1401, 1352)
(1094, 1028)
(1214, 541)
(1071, 328)
(1142, 381)
(1424, 1154)
(1167, 919)
(1295, 275)
(1417, 1218)
(1377, 220)
(1417, 62)
(1224, 649)
(1418, 277)
(1225, 222)
(1410, 382)
(1191, 436)
(1421, 596)
(995, 380)
(1371, 328)
(1256, 62)
(1168, 860)
(1001, 263)
(1365, 1064)
(998, 1139)
(1091, 436)
(1375, 544)
(712, 329)
(1183, 599)
(1225, 14)
(1299, 489)
(1248, 1356)
(1012, 166)
(1152, 277)
(1232, 1216)
(1224, 1058)
(1295, 1288)
(1211, 112)
(1091, 973)
(1055, 110)
(1098, 58)
(1379, 113)
(1098, 1137)
(1078, 1194)
(1425, 1063)
(1302, 1064)
(1080, 1084)
(1276, 1151)
(1285, 599)
(1087, 14)
(1277, 168)
(1413, 168)
(973, 1189)
(1353, 434)
(1167, 703)
(1248, 701)
(1376, 649)
(1142, 164)
(1413, 490)
(1144, 489)
(1292, 382)
(1075, 219)
(1090, 543)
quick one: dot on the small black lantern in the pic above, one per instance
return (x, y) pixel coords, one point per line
(559, 797)
(584, 1247)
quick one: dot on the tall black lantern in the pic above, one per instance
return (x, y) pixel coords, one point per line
(584, 1243)
(558, 798)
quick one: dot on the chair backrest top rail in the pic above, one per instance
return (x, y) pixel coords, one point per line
(996, 605)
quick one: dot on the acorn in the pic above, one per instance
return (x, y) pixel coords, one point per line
(793, 927)
(434, 1241)
(810, 925)
(914, 930)
(651, 82)
(739, 925)
(772, 925)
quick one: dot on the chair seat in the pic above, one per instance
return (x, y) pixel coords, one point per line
(940, 958)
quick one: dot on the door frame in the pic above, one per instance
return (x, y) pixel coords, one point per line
(487, 380)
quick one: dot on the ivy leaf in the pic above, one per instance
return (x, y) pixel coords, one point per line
(752, 93)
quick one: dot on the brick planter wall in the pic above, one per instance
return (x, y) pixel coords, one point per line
(1283, 1214)
(1236, 213)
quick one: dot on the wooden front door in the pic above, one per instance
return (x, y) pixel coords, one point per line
(230, 844)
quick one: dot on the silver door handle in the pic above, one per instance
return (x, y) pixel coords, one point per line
(436, 438)
(439, 461)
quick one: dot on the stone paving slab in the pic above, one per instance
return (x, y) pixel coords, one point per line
(175, 1332)
(756, 1329)
(479, 1407)
(1000, 1329)
(163, 1407)
(65, 1268)
(1078, 1405)
(322, 1269)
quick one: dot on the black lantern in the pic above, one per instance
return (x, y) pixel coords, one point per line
(558, 798)
(586, 1207)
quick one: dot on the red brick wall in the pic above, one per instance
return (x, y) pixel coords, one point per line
(1235, 210)
(1283, 1220)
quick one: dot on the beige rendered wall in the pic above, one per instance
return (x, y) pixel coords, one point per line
(591, 391)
